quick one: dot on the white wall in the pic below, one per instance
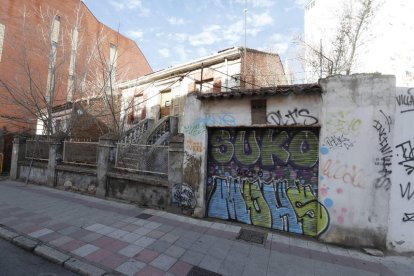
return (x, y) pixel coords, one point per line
(357, 118)
(401, 221)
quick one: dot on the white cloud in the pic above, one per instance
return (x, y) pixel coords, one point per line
(130, 5)
(138, 34)
(258, 3)
(176, 21)
(261, 20)
(301, 3)
(164, 52)
(179, 37)
(209, 35)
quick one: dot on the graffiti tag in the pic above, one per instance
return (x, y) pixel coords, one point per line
(194, 146)
(384, 129)
(335, 142)
(198, 126)
(292, 118)
(184, 195)
(407, 191)
(299, 150)
(346, 173)
(406, 101)
(268, 204)
(407, 156)
(408, 217)
(339, 123)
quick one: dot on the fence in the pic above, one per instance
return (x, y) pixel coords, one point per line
(144, 158)
(80, 152)
(37, 149)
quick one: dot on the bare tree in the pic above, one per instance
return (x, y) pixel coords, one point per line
(338, 55)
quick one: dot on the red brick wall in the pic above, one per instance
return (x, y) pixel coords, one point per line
(262, 70)
(24, 48)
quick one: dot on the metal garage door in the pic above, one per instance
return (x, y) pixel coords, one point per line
(266, 177)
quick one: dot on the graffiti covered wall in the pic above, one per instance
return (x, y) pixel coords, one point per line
(266, 177)
(401, 221)
(355, 157)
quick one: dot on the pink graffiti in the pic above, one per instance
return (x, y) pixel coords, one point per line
(346, 173)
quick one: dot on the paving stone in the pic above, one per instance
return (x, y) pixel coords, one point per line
(180, 268)
(170, 238)
(105, 230)
(155, 234)
(116, 245)
(130, 267)
(62, 240)
(94, 227)
(210, 263)
(140, 222)
(90, 237)
(131, 250)
(130, 227)
(68, 230)
(83, 268)
(146, 255)
(130, 237)
(143, 231)
(113, 261)
(85, 250)
(99, 255)
(159, 246)
(72, 245)
(164, 262)
(51, 254)
(25, 243)
(175, 251)
(117, 234)
(192, 257)
(153, 225)
(150, 271)
(144, 241)
(40, 233)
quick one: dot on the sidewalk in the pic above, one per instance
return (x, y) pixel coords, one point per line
(124, 239)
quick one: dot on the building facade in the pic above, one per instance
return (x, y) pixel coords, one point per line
(384, 44)
(56, 52)
(163, 93)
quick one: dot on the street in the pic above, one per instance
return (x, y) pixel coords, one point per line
(17, 261)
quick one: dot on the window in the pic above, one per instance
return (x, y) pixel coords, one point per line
(165, 103)
(54, 39)
(2, 29)
(258, 111)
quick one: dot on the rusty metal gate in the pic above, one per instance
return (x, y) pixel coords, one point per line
(266, 177)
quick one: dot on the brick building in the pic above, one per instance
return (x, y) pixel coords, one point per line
(55, 56)
(54, 52)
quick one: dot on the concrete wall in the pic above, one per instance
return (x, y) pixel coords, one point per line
(356, 139)
(356, 116)
(198, 115)
(401, 219)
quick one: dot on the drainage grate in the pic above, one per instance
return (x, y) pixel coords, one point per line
(198, 271)
(251, 236)
(144, 216)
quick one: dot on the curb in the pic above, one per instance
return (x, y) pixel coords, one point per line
(51, 254)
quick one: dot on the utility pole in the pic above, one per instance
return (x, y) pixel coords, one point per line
(245, 40)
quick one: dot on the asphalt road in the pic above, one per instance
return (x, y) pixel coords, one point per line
(15, 261)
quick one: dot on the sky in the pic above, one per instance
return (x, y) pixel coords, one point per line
(171, 32)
